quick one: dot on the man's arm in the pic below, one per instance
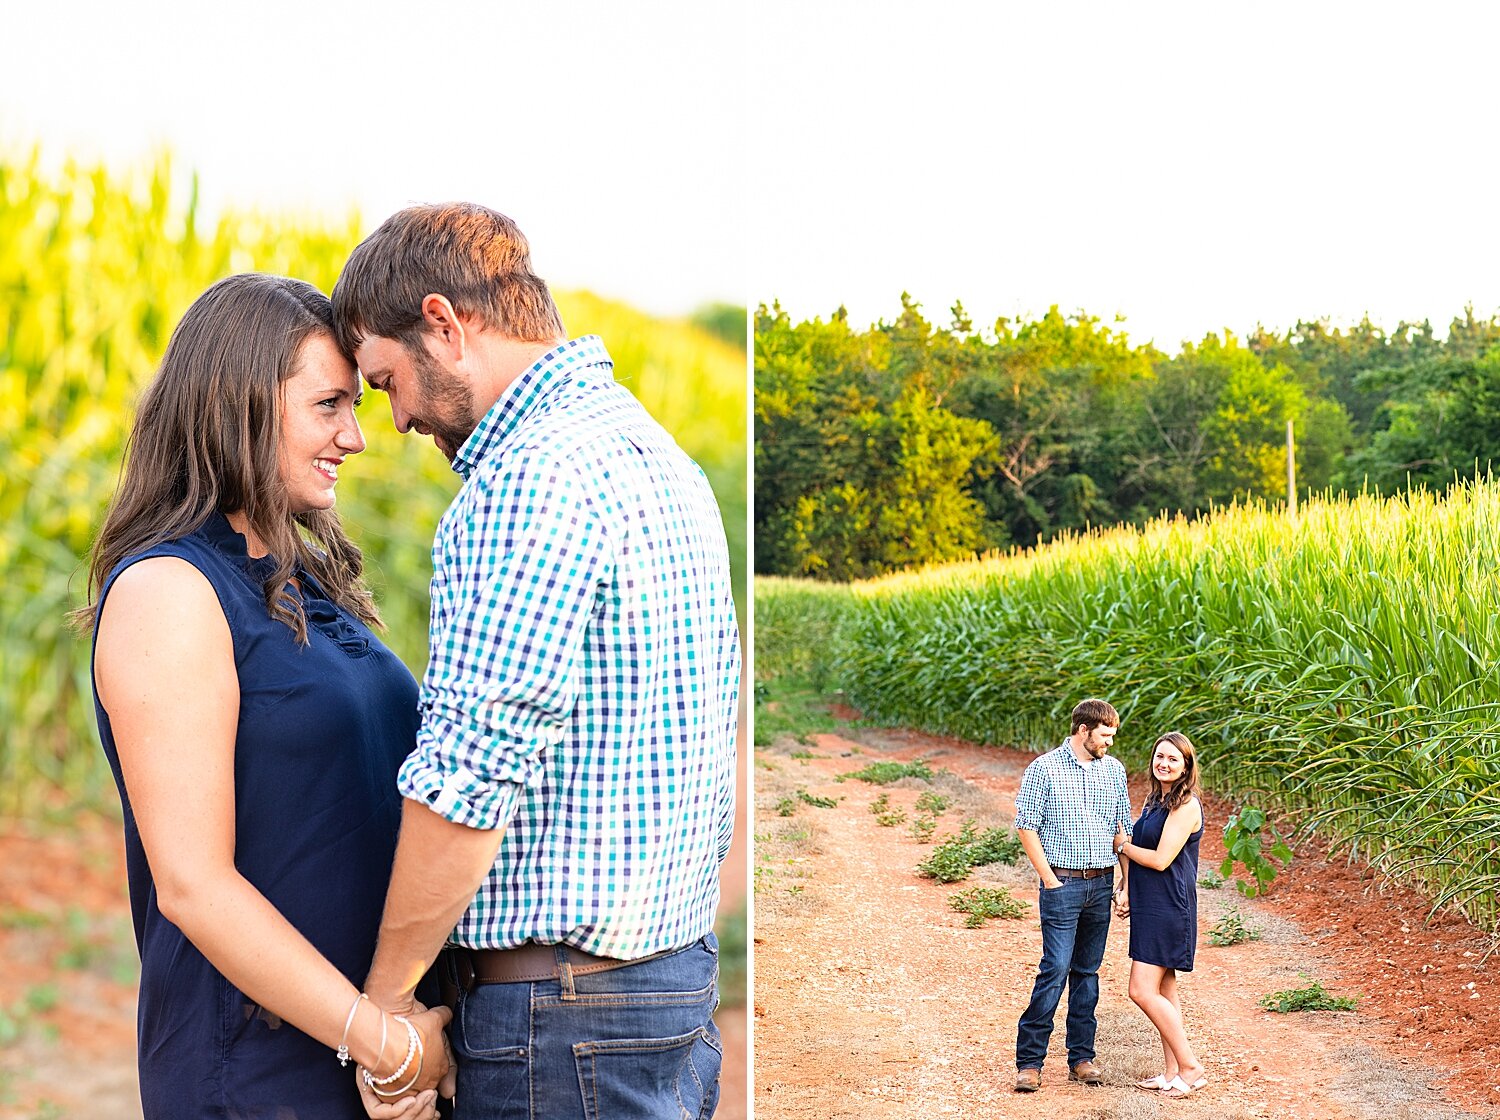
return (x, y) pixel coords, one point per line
(1031, 809)
(519, 582)
(439, 867)
(1031, 844)
(1123, 831)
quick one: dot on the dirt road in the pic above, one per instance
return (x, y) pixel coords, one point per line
(872, 1000)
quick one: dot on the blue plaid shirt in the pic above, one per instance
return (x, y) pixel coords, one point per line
(584, 677)
(1074, 809)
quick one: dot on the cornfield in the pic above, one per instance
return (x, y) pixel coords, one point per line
(1340, 667)
(96, 266)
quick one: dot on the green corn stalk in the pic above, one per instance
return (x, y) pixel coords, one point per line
(1338, 669)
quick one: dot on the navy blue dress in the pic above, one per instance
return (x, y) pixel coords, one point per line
(322, 730)
(1164, 904)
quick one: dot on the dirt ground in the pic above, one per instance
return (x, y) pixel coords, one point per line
(68, 971)
(872, 1000)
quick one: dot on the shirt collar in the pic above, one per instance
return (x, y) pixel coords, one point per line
(525, 395)
(1066, 750)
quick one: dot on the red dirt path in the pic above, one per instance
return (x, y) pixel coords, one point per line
(872, 1000)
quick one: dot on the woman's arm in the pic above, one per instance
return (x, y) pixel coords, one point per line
(1182, 822)
(164, 666)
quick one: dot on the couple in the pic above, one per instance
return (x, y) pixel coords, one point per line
(562, 782)
(1073, 818)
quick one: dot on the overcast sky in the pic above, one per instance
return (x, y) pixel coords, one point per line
(1189, 166)
(613, 133)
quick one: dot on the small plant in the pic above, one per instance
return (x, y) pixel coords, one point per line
(885, 816)
(1246, 846)
(817, 802)
(933, 803)
(786, 806)
(922, 829)
(982, 903)
(1311, 998)
(803, 753)
(956, 856)
(1211, 879)
(1231, 929)
(884, 773)
(996, 846)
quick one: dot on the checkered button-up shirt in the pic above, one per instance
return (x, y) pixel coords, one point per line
(1074, 808)
(584, 676)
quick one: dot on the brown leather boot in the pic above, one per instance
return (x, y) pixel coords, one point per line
(1028, 1080)
(1087, 1072)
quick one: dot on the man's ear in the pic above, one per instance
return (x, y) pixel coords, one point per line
(443, 323)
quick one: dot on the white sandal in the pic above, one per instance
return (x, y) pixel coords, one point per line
(1153, 1084)
(1177, 1088)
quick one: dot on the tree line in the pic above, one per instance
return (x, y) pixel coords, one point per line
(909, 443)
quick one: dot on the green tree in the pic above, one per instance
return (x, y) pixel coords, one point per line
(901, 502)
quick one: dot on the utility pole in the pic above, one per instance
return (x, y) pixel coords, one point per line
(1291, 473)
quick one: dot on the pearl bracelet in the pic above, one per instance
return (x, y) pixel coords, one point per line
(414, 1047)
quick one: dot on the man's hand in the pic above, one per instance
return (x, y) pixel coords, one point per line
(1122, 904)
(434, 1069)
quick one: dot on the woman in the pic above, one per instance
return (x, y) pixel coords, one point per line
(254, 725)
(1163, 906)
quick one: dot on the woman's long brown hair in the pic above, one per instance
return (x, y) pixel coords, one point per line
(207, 438)
(1184, 787)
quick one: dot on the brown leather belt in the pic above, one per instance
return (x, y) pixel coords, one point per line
(1084, 873)
(460, 969)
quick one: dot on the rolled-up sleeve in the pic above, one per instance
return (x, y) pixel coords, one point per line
(1122, 804)
(518, 571)
(1031, 798)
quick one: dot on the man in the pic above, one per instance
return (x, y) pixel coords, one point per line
(571, 794)
(1071, 803)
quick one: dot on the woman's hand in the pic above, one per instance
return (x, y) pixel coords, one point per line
(422, 1106)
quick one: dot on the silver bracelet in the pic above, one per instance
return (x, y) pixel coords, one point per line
(343, 1048)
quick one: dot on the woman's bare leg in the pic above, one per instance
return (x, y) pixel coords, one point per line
(1147, 990)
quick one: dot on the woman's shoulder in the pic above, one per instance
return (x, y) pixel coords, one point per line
(158, 582)
(1191, 809)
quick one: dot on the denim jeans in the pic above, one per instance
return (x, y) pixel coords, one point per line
(637, 1041)
(1075, 926)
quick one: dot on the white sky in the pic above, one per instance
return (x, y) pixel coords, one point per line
(1190, 166)
(612, 132)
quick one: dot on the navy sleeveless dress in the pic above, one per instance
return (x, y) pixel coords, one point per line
(322, 730)
(1164, 904)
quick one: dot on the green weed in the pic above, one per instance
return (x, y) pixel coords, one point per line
(1311, 998)
(1231, 929)
(884, 773)
(983, 903)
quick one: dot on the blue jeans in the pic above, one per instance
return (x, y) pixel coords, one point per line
(1075, 926)
(637, 1041)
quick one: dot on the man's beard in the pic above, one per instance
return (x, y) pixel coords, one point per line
(447, 402)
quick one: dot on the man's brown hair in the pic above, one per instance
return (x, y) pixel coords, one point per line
(1091, 713)
(474, 256)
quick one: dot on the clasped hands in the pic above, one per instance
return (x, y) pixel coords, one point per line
(1122, 892)
(430, 1073)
